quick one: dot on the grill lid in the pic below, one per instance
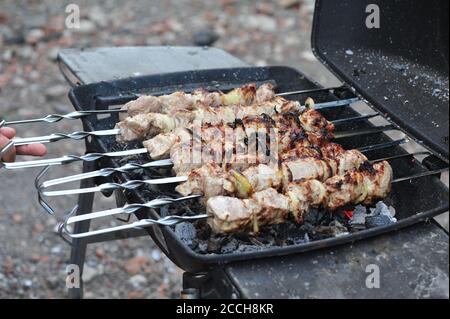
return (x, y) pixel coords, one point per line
(400, 68)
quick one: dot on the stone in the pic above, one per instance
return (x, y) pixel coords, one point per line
(259, 22)
(34, 36)
(205, 37)
(137, 281)
(56, 91)
(89, 273)
(86, 27)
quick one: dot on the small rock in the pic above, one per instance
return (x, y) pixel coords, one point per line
(56, 250)
(17, 218)
(136, 294)
(259, 22)
(98, 16)
(134, 265)
(86, 27)
(53, 281)
(8, 267)
(156, 255)
(290, 4)
(100, 253)
(27, 283)
(265, 8)
(205, 37)
(55, 91)
(34, 36)
(137, 281)
(37, 229)
(52, 54)
(89, 273)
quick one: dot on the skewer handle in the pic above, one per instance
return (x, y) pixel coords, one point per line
(53, 118)
(70, 158)
(165, 221)
(61, 136)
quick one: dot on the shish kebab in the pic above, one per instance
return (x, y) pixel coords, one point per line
(144, 125)
(53, 118)
(174, 219)
(153, 123)
(291, 141)
(230, 214)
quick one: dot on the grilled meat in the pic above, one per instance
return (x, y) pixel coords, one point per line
(172, 103)
(230, 214)
(280, 132)
(259, 177)
(142, 125)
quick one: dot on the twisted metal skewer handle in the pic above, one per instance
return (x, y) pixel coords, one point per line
(80, 135)
(130, 185)
(70, 159)
(53, 118)
(105, 172)
(165, 221)
(128, 209)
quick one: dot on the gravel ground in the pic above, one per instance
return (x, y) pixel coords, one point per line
(32, 256)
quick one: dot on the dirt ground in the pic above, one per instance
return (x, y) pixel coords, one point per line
(32, 256)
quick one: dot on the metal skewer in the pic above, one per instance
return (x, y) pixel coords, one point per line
(82, 135)
(70, 159)
(105, 172)
(53, 118)
(60, 136)
(133, 184)
(95, 156)
(170, 220)
(130, 208)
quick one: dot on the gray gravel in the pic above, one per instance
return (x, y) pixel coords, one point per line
(32, 256)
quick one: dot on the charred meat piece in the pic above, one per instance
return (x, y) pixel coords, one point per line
(230, 214)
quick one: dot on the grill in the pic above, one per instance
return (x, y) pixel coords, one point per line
(202, 251)
(197, 250)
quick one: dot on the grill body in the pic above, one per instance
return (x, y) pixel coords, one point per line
(414, 201)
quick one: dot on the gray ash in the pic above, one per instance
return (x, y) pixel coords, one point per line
(318, 224)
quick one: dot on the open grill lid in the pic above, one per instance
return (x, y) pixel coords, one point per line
(400, 68)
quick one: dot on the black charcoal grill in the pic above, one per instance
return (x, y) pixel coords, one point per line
(409, 209)
(406, 83)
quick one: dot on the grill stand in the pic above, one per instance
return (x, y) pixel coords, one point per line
(271, 278)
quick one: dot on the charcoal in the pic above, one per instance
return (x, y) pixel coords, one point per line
(215, 244)
(230, 246)
(186, 232)
(202, 247)
(379, 220)
(358, 219)
(246, 248)
(380, 216)
(334, 229)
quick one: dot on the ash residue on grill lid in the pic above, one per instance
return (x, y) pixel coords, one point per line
(401, 68)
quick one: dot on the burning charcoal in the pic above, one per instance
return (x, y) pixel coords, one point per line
(230, 246)
(358, 219)
(380, 216)
(187, 233)
(334, 229)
